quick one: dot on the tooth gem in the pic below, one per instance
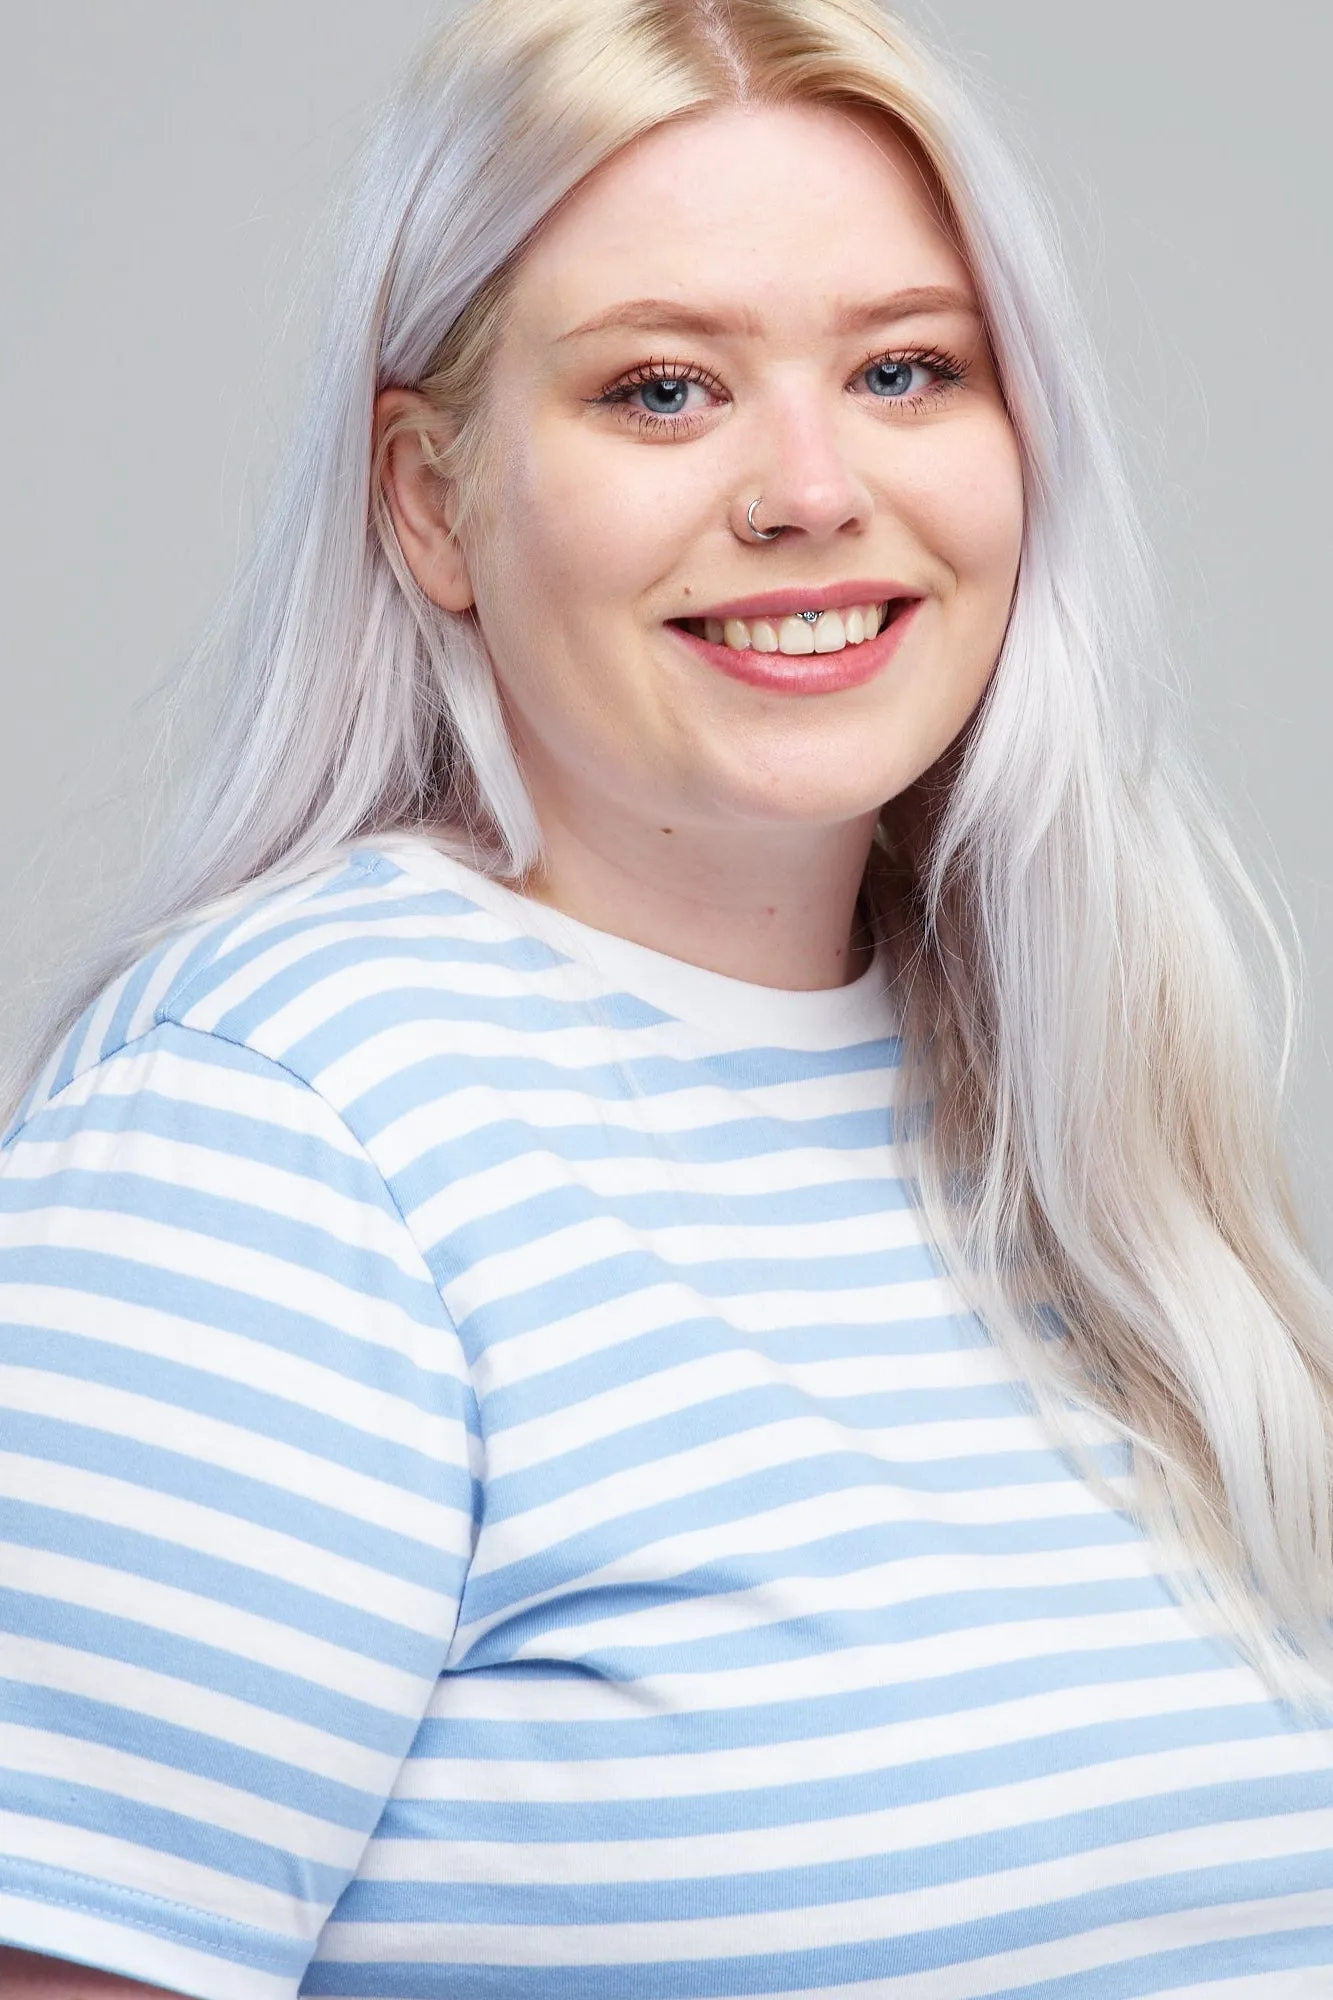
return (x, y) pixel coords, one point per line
(809, 616)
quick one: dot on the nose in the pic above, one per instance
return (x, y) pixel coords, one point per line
(805, 480)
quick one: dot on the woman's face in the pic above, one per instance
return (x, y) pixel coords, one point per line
(724, 312)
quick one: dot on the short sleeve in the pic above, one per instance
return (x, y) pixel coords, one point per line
(236, 1510)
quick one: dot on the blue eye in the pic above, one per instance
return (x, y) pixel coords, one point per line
(657, 396)
(890, 378)
(664, 397)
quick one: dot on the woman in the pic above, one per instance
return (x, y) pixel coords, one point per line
(654, 1345)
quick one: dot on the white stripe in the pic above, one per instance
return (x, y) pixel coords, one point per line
(693, 1385)
(234, 1267)
(691, 1110)
(206, 1531)
(181, 1164)
(1027, 1802)
(814, 1676)
(599, 1329)
(325, 926)
(247, 1453)
(805, 1170)
(186, 1705)
(782, 1599)
(764, 1448)
(1303, 1982)
(40, 1753)
(885, 1749)
(235, 1357)
(163, 1607)
(845, 1509)
(99, 1021)
(144, 1017)
(832, 1925)
(263, 1093)
(473, 1108)
(1090, 1950)
(581, 1246)
(841, 1510)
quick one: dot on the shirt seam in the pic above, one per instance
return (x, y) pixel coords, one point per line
(176, 1933)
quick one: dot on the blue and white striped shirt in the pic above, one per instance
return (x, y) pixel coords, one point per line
(499, 1502)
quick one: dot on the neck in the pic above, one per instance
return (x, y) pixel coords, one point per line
(772, 906)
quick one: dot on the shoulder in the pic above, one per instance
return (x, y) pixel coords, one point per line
(286, 980)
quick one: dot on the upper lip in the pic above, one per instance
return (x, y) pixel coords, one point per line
(804, 597)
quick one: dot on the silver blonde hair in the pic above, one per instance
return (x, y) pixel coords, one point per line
(1097, 1154)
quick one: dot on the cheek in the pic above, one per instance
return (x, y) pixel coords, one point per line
(971, 512)
(572, 538)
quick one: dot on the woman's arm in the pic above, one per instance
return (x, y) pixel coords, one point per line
(24, 1975)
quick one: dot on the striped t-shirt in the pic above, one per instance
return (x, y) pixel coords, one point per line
(501, 1503)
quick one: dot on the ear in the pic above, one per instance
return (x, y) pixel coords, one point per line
(420, 502)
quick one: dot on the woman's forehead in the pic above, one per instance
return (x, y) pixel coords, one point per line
(737, 212)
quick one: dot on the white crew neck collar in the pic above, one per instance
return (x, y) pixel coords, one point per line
(829, 1017)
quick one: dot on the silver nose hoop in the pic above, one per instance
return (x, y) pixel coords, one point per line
(760, 534)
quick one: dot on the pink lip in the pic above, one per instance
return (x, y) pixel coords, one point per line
(803, 673)
(818, 597)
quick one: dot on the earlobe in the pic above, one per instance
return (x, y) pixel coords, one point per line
(418, 500)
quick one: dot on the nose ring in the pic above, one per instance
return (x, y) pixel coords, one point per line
(760, 534)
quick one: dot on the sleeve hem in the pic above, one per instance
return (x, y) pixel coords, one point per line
(63, 1915)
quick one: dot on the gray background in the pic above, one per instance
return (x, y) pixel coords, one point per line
(165, 165)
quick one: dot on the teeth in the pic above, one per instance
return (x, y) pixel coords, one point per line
(829, 633)
(795, 636)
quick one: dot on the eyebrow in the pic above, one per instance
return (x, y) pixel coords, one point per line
(670, 316)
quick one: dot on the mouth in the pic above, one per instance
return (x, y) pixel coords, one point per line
(799, 630)
(785, 647)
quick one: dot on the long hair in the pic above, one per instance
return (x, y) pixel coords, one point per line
(1097, 1158)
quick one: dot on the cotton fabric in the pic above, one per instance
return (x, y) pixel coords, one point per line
(498, 1499)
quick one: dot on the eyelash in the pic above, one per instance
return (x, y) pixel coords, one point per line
(949, 367)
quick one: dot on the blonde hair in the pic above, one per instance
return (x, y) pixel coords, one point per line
(1097, 1153)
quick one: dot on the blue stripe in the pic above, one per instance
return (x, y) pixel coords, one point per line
(639, 1357)
(435, 1078)
(621, 1275)
(733, 1415)
(208, 1305)
(542, 1215)
(235, 1221)
(801, 1719)
(818, 1884)
(814, 1802)
(68, 1803)
(833, 1967)
(132, 992)
(233, 1134)
(196, 1664)
(325, 960)
(129, 1552)
(189, 1751)
(320, 1525)
(181, 1387)
(799, 1638)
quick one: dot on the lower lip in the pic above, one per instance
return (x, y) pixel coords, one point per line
(806, 673)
